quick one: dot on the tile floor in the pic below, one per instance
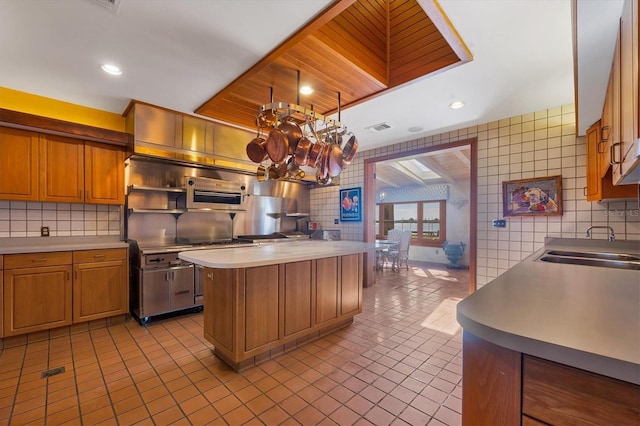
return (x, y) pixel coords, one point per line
(399, 363)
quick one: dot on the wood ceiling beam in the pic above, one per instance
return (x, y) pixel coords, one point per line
(408, 173)
(437, 169)
(379, 178)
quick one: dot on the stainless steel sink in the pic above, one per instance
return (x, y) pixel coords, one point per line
(604, 260)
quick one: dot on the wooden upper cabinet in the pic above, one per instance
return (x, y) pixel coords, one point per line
(104, 174)
(624, 155)
(18, 164)
(61, 169)
(600, 188)
(606, 132)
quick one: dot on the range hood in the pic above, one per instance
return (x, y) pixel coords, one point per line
(162, 133)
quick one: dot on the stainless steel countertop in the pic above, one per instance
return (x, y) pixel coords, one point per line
(582, 316)
(45, 244)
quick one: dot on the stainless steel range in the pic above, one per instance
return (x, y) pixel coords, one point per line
(161, 283)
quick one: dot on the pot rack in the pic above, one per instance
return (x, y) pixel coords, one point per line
(302, 115)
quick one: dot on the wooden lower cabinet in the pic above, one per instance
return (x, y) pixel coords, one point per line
(1, 298)
(253, 311)
(41, 291)
(261, 306)
(37, 297)
(502, 386)
(297, 297)
(327, 289)
(557, 394)
(100, 284)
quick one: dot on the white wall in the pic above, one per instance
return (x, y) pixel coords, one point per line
(537, 144)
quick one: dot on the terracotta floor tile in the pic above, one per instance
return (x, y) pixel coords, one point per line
(100, 415)
(309, 416)
(238, 416)
(260, 404)
(279, 393)
(359, 405)
(344, 416)
(205, 415)
(133, 416)
(293, 404)
(193, 404)
(185, 393)
(158, 405)
(168, 416)
(227, 404)
(217, 393)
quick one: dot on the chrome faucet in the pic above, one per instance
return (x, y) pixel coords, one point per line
(612, 236)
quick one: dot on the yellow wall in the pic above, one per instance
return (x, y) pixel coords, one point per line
(53, 108)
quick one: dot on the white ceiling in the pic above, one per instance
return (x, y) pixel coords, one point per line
(179, 53)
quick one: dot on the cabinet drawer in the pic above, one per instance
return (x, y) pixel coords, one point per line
(557, 394)
(105, 255)
(31, 260)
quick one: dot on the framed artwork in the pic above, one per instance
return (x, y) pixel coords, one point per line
(532, 197)
(350, 205)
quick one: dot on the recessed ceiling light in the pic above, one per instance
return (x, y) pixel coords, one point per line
(456, 105)
(306, 90)
(111, 69)
(415, 129)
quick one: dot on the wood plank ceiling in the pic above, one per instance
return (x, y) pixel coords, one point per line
(358, 48)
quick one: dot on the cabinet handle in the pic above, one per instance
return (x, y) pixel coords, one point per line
(79, 193)
(599, 146)
(99, 256)
(39, 260)
(612, 153)
(86, 195)
(68, 276)
(75, 275)
(210, 275)
(602, 136)
(584, 191)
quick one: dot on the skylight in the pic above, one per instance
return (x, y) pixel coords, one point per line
(419, 169)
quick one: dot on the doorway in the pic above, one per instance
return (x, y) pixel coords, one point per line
(370, 206)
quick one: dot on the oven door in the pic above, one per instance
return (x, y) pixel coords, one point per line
(216, 200)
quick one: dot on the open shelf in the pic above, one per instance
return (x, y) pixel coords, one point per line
(132, 188)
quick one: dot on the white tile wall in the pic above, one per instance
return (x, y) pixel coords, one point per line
(24, 219)
(541, 143)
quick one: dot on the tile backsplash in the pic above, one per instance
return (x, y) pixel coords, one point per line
(537, 144)
(24, 219)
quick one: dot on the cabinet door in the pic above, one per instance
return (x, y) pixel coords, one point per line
(155, 292)
(261, 306)
(18, 165)
(61, 169)
(627, 93)
(297, 297)
(100, 290)
(104, 174)
(593, 169)
(326, 289)
(182, 287)
(557, 394)
(1, 301)
(37, 299)
(606, 132)
(351, 283)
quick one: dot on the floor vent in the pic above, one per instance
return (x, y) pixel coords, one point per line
(52, 372)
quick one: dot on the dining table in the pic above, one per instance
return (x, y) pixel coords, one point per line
(383, 247)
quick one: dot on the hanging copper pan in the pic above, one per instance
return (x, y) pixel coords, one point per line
(256, 150)
(334, 160)
(349, 151)
(302, 151)
(315, 154)
(277, 145)
(293, 133)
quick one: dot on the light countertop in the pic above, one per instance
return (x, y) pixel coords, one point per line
(582, 316)
(271, 254)
(46, 244)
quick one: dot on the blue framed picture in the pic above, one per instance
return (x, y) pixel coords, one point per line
(351, 205)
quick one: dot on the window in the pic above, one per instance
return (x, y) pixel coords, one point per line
(425, 219)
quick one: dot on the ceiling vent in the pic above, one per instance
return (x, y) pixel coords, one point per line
(110, 5)
(378, 127)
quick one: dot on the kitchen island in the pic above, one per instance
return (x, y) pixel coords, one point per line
(554, 343)
(261, 301)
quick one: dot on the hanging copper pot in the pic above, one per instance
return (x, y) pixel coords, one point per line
(293, 133)
(334, 160)
(302, 151)
(277, 145)
(266, 119)
(349, 150)
(257, 150)
(315, 154)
